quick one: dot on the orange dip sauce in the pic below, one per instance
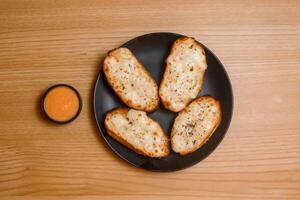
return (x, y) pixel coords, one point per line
(61, 103)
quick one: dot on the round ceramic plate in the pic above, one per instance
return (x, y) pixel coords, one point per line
(152, 50)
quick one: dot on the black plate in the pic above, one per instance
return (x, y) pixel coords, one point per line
(152, 50)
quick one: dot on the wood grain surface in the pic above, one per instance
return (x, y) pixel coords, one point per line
(48, 42)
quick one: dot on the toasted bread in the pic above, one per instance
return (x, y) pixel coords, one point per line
(138, 132)
(184, 73)
(195, 124)
(130, 80)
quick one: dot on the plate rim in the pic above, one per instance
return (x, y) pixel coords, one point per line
(195, 162)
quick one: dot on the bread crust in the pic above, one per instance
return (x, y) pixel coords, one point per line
(114, 82)
(165, 98)
(214, 127)
(114, 134)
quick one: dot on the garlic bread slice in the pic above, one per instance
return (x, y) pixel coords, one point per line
(138, 132)
(130, 80)
(184, 73)
(195, 124)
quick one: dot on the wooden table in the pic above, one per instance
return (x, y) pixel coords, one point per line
(48, 42)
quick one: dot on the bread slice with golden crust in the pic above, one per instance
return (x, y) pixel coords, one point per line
(195, 124)
(184, 73)
(130, 80)
(138, 132)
